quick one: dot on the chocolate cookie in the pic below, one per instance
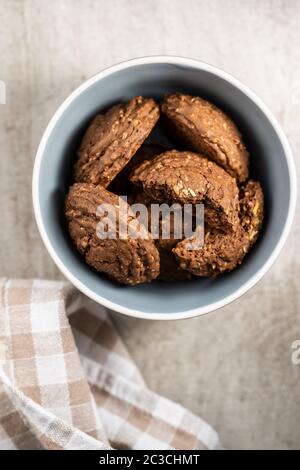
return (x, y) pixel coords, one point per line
(128, 261)
(190, 178)
(223, 252)
(206, 129)
(113, 138)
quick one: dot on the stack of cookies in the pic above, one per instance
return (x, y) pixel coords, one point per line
(207, 164)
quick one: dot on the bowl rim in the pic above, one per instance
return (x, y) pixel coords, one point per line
(185, 62)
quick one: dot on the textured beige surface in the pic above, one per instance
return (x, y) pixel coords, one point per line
(240, 376)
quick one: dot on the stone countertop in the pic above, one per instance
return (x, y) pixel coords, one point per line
(233, 367)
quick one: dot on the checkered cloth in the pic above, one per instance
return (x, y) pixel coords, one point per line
(68, 382)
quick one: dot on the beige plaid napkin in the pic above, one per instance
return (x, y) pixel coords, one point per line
(68, 382)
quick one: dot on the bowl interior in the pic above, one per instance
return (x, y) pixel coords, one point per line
(268, 165)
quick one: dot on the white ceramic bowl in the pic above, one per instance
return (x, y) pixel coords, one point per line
(271, 163)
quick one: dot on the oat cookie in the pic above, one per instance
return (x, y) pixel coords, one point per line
(190, 178)
(225, 251)
(113, 138)
(221, 252)
(128, 261)
(206, 129)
